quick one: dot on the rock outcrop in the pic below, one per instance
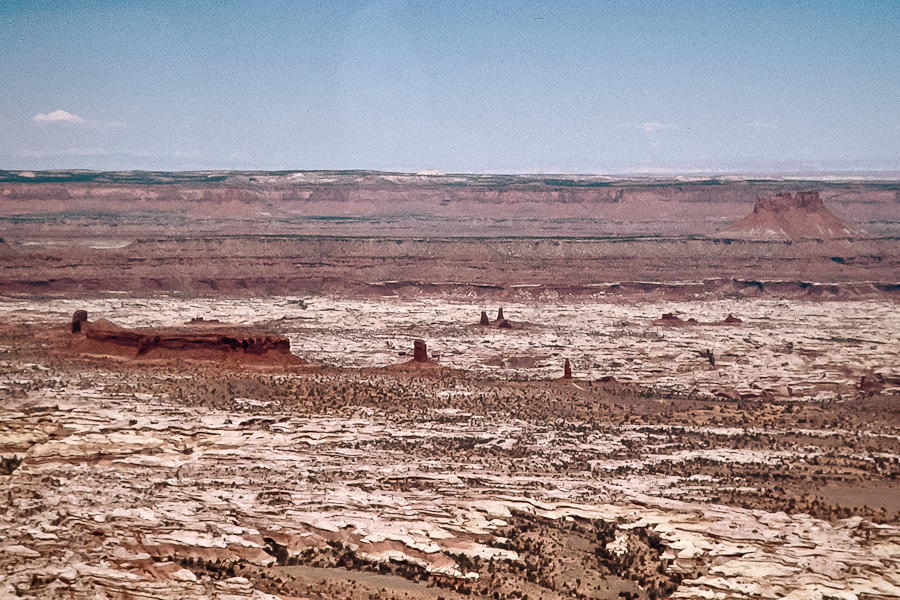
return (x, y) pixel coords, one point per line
(671, 320)
(872, 383)
(420, 351)
(78, 318)
(421, 361)
(567, 370)
(501, 322)
(792, 216)
(204, 340)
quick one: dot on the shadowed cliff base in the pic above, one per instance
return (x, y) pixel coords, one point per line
(492, 268)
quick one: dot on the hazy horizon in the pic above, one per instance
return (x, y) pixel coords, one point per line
(614, 88)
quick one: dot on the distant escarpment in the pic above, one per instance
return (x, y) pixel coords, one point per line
(353, 202)
(792, 216)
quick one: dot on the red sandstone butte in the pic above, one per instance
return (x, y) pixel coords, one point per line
(199, 340)
(792, 216)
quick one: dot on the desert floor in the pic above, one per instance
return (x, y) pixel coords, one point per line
(651, 473)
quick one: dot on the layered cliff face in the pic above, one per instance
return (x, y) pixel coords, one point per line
(793, 216)
(347, 202)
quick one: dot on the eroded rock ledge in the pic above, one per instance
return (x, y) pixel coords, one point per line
(199, 339)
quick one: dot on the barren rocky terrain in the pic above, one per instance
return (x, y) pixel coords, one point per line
(731, 428)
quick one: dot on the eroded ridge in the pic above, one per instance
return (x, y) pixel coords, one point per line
(780, 350)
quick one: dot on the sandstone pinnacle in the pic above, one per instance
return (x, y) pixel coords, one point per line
(78, 318)
(420, 351)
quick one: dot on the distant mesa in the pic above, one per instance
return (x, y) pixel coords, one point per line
(792, 216)
(197, 340)
(672, 320)
(202, 321)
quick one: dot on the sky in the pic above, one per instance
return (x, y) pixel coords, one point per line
(604, 87)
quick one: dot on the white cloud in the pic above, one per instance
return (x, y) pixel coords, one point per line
(62, 116)
(57, 116)
(759, 125)
(86, 152)
(34, 153)
(654, 126)
(67, 152)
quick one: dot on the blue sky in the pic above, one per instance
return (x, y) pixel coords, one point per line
(566, 87)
